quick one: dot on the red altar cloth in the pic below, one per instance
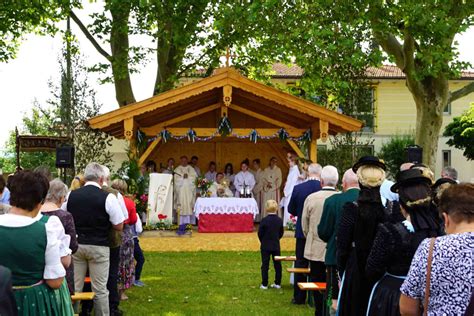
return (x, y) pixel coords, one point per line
(225, 223)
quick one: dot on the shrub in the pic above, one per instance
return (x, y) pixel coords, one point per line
(393, 152)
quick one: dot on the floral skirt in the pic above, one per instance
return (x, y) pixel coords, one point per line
(126, 275)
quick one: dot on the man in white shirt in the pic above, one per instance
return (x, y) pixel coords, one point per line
(95, 214)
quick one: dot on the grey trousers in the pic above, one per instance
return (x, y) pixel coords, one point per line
(96, 258)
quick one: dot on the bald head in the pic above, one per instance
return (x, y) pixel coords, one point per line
(349, 180)
(406, 166)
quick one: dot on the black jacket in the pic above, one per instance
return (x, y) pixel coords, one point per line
(270, 232)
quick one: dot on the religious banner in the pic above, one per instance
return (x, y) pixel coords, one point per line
(160, 198)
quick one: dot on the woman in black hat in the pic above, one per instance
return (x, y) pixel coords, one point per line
(356, 234)
(396, 243)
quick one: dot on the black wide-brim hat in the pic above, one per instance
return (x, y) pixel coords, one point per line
(441, 181)
(410, 176)
(369, 161)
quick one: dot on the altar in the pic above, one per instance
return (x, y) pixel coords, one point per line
(225, 215)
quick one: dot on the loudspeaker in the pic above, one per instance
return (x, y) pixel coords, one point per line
(65, 157)
(414, 154)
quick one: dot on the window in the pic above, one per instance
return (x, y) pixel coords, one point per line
(447, 109)
(364, 109)
(365, 150)
(446, 158)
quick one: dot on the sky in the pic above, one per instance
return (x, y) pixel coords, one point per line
(25, 79)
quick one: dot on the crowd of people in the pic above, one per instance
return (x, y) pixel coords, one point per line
(382, 248)
(54, 237)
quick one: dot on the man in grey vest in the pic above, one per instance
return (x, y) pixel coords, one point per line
(95, 213)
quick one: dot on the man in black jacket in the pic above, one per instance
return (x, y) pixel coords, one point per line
(270, 233)
(299, 195)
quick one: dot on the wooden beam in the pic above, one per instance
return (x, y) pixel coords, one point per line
(295, 147)
(208, 131)
(155, 129)
(323, 130)
(148, 151)
(160, 100)
(227, 94)
(264, 118)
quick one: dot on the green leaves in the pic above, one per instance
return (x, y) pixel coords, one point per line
(461, 133)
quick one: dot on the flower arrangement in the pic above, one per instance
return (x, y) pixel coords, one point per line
(141, 203)
(203, 185)
(291, 224)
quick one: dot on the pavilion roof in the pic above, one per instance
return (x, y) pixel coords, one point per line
(248, 97)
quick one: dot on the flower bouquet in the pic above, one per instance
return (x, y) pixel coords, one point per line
(203, 185)
(291, 224)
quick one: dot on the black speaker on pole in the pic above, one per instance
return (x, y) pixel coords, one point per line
(65, 156)
(414, 154)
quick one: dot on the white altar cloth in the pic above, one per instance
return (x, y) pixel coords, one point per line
(225, 206)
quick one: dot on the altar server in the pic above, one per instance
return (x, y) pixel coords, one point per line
(244, 179)
(291, 181)
(185, 190)
(271, 182)
(257, 190)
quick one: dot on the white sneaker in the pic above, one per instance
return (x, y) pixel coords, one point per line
(275, 286)
(263, 287)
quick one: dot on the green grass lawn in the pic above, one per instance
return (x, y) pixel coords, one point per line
(208, 283)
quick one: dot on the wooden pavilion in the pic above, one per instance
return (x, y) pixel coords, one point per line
(248, 105)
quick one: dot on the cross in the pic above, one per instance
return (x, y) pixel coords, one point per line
(228, 56)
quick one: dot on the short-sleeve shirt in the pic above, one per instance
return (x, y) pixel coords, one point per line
(452, 274)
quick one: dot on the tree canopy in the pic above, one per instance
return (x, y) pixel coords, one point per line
(336, 43)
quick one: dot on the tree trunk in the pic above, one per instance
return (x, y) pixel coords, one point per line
(119, 45)
(431, 97)
(167, 57)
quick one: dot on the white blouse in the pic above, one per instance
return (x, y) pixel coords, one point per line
(56, 227)
(53, 268)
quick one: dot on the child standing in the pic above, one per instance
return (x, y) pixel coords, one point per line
(270, 233)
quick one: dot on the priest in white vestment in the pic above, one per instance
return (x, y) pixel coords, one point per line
(185, 191)
(291, 181)
(244, 179)
(220, 188)
(271, 183)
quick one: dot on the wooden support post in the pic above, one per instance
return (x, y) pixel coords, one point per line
(130, 131)
(295, 147)
(313, 145)
(323, 130)
(149, 150)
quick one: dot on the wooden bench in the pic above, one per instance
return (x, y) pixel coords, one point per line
(312, 286)
(299, 270)
(285, 258)
(83, 296)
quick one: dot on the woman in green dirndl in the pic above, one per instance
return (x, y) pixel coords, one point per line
(30, 249)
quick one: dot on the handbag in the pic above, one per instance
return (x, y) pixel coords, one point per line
(428, 277)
